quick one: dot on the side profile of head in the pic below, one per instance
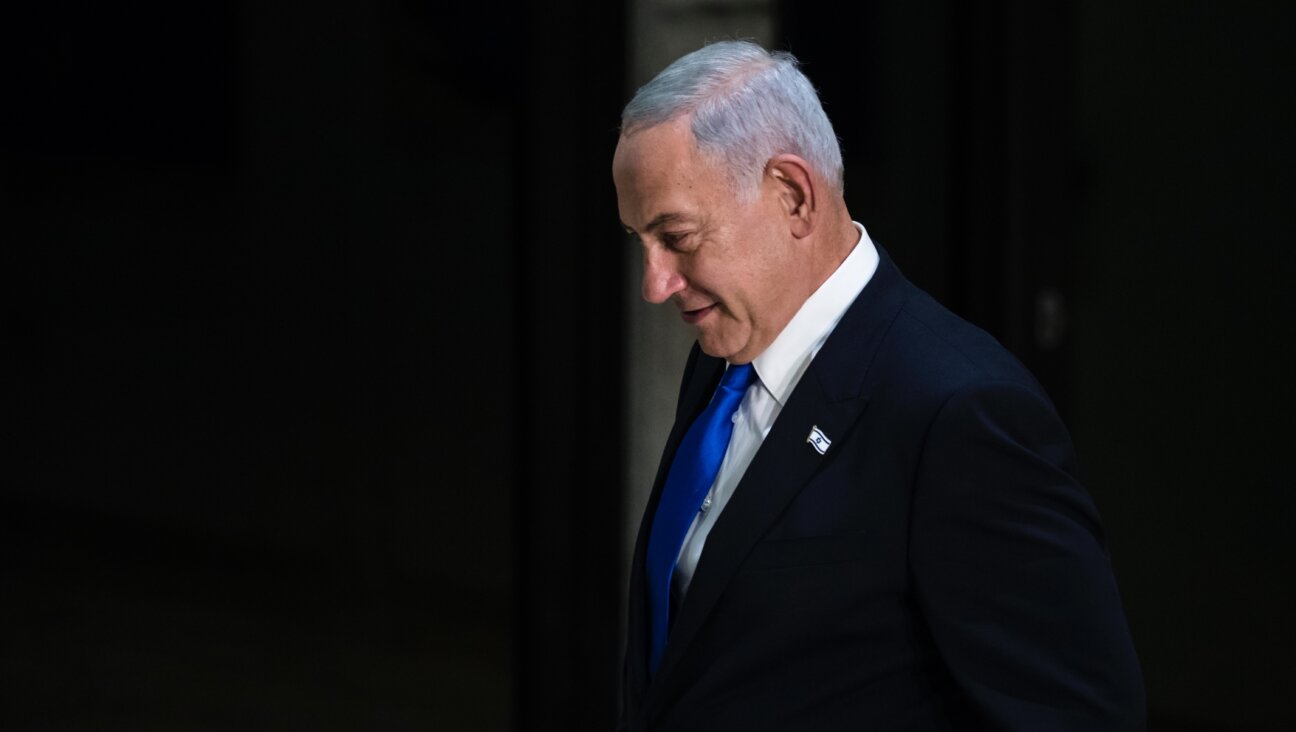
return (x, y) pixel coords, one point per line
(730, 175)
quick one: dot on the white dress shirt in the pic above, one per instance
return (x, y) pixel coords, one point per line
(778, 368)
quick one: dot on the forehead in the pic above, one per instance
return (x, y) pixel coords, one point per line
(659, 170)
(659, 155)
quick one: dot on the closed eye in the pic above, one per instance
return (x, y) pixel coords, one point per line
(674, 239)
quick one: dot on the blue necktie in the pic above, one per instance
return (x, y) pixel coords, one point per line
(691, 474)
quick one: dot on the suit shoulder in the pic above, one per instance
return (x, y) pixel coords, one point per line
(929, 354)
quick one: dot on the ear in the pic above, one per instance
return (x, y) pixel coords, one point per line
(794, 186)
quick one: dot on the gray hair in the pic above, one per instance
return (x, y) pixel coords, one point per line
(747, 105)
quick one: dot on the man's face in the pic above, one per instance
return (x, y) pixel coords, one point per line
(722, 261)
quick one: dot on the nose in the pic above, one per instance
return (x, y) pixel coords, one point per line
(661, 276)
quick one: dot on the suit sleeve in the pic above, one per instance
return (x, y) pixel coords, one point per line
(1011, 573)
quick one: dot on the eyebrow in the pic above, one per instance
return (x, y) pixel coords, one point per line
(658, 221)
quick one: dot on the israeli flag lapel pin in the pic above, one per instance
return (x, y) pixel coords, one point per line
(818, 440)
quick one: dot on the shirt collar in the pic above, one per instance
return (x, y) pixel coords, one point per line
(781, 365)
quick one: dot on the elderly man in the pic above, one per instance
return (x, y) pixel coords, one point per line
(867, 515)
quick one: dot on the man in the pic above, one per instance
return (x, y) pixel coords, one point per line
(866, 516)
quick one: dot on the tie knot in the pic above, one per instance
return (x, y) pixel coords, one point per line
(738, 377)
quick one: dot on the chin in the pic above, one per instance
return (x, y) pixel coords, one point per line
(717, 347)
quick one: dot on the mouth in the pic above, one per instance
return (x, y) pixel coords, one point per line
(693, 317)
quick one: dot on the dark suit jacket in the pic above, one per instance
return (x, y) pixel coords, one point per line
(939, 567)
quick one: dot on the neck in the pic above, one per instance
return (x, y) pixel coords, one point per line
(839, 240)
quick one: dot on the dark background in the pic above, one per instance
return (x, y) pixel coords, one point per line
(313, 331)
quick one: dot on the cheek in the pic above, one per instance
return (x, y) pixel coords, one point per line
(764, 286)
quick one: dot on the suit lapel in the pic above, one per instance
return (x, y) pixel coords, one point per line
(831, 395)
